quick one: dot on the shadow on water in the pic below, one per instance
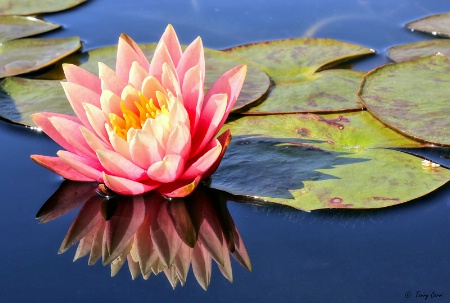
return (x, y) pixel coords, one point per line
(251, 162)
(152, 233)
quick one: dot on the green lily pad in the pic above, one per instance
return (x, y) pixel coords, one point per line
(31, 7)
(327, 91)
(419, 50)
(412, 97)
(255, 85)
(14, 27)
(435, 25)
(297, 69)
(27, 55)
(323, 161)
(20, 97)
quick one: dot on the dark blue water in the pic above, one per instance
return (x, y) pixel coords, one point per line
(323, 256)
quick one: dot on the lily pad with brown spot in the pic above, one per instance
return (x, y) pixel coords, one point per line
(300, 70)
(32, 7)
(323, 161)
(419, 50)
(412, 97)
(27, 55)
(20, 98)
(14, 27)
(436, 25)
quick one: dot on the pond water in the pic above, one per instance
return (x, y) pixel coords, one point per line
(388, 255)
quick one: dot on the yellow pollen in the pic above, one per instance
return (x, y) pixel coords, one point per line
(146, 109)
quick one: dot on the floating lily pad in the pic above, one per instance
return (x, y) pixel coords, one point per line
(323, 161)
(31, 7)
(14, 27)
(255, 85)
(412, 97)
(294, 66)
(435, 25)
(27, 55)
(419, 50)
(20, 97)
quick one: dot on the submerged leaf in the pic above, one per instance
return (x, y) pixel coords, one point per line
(412, 97)
(14, 27)
(27, 55)
(31, 7)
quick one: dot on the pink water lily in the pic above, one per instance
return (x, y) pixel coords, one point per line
(145, 126)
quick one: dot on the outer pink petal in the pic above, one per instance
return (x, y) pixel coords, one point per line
(128, 187)
(71, 132)
(231, 84)
(169, 81)
(179, 188)
(110, 80)
(93, 140)
(167, 170)
(192, 56)
(97, 119)
(57, 165)
(78, 95)
(173, 45)
(128, 52)
(224, 140)
(85, 166)
(203, 162)
(78, 75)
(193, 94)
(209, 122)
(42, 120)
(117, 165)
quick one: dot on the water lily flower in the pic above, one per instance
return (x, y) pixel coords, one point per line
(146, 125)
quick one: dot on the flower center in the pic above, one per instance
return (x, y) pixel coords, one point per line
(135, 116)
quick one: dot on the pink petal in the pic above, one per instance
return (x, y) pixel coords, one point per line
(203, 162)
(97, 119)
(170, 81)
(57, 165)
(120, 145)
(93, 141)
(42, 120)
(110, 80)
(179, 141)
(85, 166)
(128, 52)
(110, 103)
(224, 140)
(145, 149)
(150, 86)
(193, 95)
(179, 188)
(137, 75)
(119, 166)
(128, 187)
(129, 96)
(71, 132)
(192, 56)
(80, 76)
(209, 121)
(173, 45)
(201, 265)
(160, 57)
(78, 95)
(231, 84)
(167, 170)
(178, 114)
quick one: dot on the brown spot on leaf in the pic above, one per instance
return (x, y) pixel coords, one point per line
(304, 132)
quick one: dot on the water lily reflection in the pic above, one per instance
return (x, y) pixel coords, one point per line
(153, 234)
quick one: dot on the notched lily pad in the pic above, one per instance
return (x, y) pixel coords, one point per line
(412, 97)
(20, 97)
(32, 7)
(419, 50)
(255, 86)
(436, 25)
(27, 55)
(14, 27)
(323, 161)
(302, 81)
